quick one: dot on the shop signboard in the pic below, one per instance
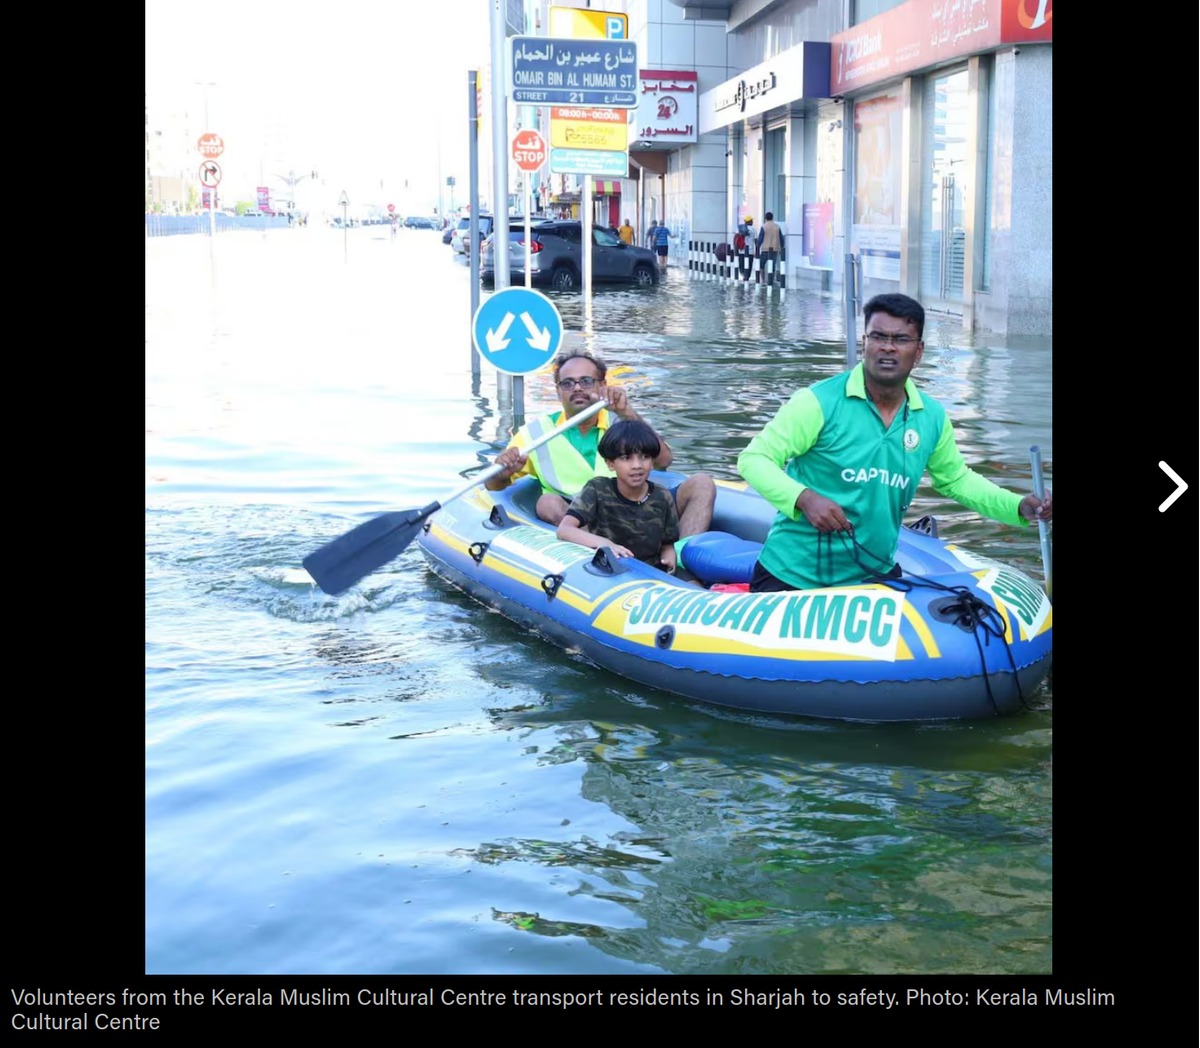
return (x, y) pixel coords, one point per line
(922, 33)
(667, 106)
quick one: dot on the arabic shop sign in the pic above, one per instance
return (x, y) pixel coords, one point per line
(561, 71)
(799, 72)
(666, 112)
(922, 33)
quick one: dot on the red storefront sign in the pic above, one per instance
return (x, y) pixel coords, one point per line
(922, 33)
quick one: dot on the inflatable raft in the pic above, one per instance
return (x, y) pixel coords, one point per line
(956, 636)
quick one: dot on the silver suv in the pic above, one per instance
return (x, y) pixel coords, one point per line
(556, 257)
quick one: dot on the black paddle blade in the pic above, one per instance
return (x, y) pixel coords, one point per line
(338, 565)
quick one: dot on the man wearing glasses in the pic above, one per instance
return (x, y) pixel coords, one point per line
(564, 465)
(842, 459)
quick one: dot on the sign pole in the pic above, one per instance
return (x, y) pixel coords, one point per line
(473, 228)
(500, 174)
(586, 214)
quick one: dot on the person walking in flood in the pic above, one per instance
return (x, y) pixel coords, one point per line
(770, 243)
(661, 245)
(625, 232)
(842, 459)
(743, 246)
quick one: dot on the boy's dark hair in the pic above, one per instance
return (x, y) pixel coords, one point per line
(568, 355)
(625, 438)
(896, 305)
(769, 217)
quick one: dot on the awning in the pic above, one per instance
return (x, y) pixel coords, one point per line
(606, 187)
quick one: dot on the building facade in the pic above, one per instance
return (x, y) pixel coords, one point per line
(914, 135)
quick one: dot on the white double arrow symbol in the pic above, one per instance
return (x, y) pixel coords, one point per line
(539, 340)
(1177, 492)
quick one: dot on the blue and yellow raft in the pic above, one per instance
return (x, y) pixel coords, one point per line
(957, 636)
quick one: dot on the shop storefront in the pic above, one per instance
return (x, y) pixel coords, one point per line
(783, 155)
(948, 195)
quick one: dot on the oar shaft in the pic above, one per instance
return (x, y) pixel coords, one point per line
(1039, 489)
(493, 471)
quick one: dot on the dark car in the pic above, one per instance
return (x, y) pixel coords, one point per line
(556, 257)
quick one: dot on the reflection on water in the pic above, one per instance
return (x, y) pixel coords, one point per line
(323, 773)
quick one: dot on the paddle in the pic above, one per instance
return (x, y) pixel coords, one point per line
(339, 564)
(1039, 489)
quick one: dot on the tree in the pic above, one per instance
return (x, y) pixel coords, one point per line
(193, 198)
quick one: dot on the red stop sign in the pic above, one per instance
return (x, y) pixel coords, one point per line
(210, 145)
(391, 207)
(529, 150)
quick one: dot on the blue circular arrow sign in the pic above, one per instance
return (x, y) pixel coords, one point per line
(517, 330)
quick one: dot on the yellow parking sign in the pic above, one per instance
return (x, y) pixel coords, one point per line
(573, 22)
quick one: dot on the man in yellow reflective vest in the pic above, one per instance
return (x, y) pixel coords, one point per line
(567, 463)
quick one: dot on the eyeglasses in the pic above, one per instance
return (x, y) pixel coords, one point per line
(877, 338)
(587, 382)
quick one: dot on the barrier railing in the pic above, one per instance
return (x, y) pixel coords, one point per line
(719, 261)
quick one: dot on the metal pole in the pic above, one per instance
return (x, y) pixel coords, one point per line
(500, 245)
(848, 298)
(473, 229)
(586, 209)
(1039, 489)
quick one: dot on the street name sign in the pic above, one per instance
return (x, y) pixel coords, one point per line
(517, 330)
(562, 71)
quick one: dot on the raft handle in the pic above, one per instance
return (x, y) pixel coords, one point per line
(926, 525)
(605, 562)
(477, 550)
(497, 518)
(664, 637)
(550, 584)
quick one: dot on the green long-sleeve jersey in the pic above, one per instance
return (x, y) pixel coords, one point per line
(830, 437)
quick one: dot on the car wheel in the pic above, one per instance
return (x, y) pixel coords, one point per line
(564, 279)
(643, 276)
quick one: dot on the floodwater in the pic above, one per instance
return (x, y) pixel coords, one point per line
(397, 781)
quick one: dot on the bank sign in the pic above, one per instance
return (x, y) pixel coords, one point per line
(561, 71)
(922, 33)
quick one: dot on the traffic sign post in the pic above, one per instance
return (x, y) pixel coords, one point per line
(517, 330)
(210, 146)
(344, 201)
(528, 150)
(529, 153)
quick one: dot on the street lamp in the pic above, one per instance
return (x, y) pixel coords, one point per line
(292, 180)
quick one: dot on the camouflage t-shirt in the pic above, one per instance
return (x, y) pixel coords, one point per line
(643, 527)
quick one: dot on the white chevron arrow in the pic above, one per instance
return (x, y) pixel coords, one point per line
(539, 340)
(495, 339)
(1177, 492)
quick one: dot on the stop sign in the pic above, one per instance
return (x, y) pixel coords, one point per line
(391, 207)
(529, 150)
(210, 145)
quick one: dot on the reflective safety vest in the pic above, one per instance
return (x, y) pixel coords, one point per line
(557, 464)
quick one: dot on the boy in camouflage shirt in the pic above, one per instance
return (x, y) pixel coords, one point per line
(627, 513)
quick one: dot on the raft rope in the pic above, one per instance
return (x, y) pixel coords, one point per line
(973, 611)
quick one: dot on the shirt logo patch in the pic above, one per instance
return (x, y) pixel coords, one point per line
(911, 439)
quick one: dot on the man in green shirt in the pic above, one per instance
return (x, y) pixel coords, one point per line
(564, 465)
(842, 459)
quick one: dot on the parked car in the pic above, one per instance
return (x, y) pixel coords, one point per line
(447, 234)
(556, 257)
(459, 240)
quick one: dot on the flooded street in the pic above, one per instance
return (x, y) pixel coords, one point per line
(397, 781)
